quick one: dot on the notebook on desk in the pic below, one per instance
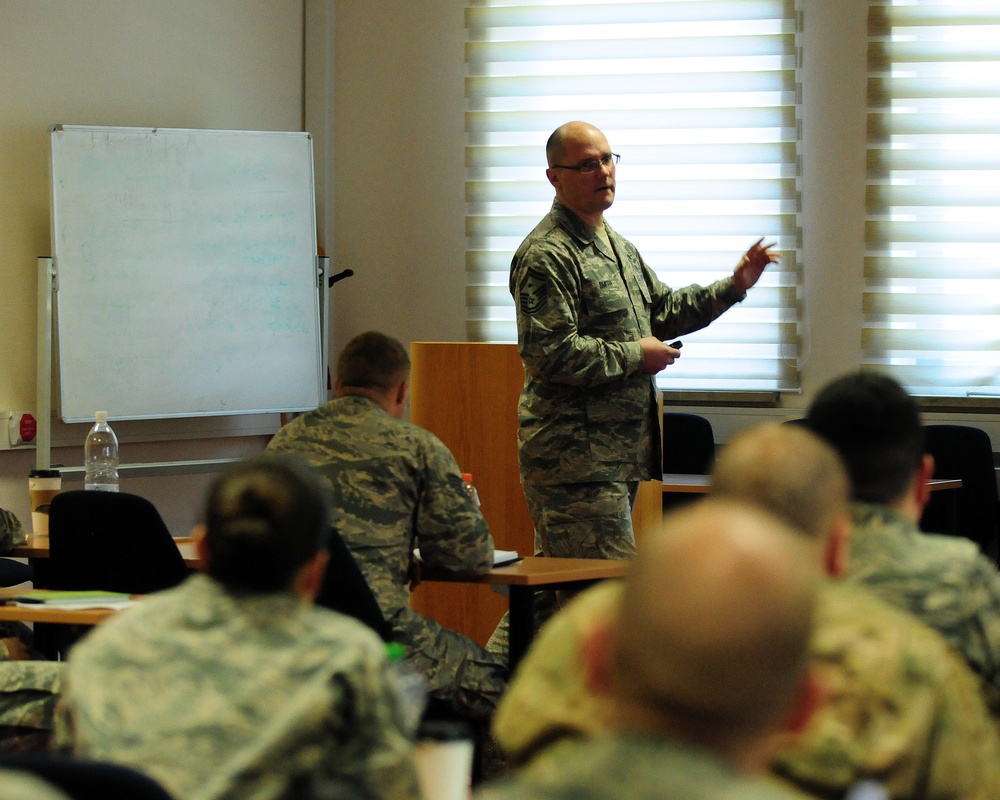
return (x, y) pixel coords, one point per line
(74, 599)
(500, 557)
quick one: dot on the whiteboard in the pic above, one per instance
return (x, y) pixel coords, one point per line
(185, 272)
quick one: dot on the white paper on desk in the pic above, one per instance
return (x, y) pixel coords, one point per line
(500, 557)
(79, 605)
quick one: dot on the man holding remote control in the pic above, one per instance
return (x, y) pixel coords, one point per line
(592, 319)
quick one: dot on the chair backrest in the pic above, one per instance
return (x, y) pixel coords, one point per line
(83, 779)
(966, 452)
(688, 443)
(345, 589)
(110, 540)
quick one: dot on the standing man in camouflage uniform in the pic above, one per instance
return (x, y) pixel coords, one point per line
(703, 662)
(591, 317)
(396, 487)
(233, 684)
(944, 580)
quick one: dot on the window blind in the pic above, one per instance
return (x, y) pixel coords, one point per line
(700, 99)
(932, 270)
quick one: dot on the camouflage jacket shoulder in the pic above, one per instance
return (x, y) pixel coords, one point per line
(202, 688)
(900, 706)
(29, 693)
(394, 486)
(943, 580)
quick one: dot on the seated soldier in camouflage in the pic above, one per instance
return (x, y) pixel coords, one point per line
(396, 487)
(233, 684)
(900, 706)
(875, 426)
(29, 691)
(700, 665)
(14, 637)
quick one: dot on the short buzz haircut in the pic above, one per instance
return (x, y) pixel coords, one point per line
(265, 518)
(373, 360)
(716, 614)
(875, 425)
(788, 470)
(554, 146)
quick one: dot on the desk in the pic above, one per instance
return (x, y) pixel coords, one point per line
(50, 614)
(530, 575)
(699, 484)
(523, 579)
(37, 546)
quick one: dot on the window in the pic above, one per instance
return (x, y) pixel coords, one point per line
(932, 265)
(699, 98)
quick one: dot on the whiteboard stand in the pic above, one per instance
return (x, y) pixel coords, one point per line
(43, 391)
(322, 271)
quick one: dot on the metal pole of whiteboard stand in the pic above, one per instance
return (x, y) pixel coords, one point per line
(43, 390)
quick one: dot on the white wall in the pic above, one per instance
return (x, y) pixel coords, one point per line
(399, 169)
(182, 63)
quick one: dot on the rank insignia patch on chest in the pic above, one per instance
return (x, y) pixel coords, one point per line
(534, 292)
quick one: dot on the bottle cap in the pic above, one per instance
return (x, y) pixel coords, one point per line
(395, 651)
(101, 416)
(467, 477)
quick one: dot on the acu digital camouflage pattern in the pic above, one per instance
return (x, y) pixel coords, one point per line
(238, 696)
(632, 767)
(900, 706)
(943, 580)
(396, 486)
(587, 410)
(29, 691)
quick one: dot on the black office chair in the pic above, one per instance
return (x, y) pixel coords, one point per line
(966, 452)
(14, 572)
(104, 540)
(85, 779)
(345, 589)
(110, 540)
(688, 447)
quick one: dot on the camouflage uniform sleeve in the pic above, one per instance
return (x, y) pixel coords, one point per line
(580, 315)
(29, 695)
(451, 531)
(554, 344)
(677, 312)
(982, 592)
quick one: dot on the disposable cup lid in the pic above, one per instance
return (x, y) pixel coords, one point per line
(44, 473)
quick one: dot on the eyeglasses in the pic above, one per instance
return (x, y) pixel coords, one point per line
(592, 165)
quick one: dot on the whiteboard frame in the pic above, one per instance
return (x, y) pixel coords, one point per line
(312, 364)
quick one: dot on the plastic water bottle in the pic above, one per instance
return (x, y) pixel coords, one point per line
(100, 456)
(411, 686)
(470, 489)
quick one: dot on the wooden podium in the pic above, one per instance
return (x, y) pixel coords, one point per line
(467, 393)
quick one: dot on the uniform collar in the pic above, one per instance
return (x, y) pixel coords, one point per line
(583, 232)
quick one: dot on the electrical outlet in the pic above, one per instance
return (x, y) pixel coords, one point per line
(21, 428)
